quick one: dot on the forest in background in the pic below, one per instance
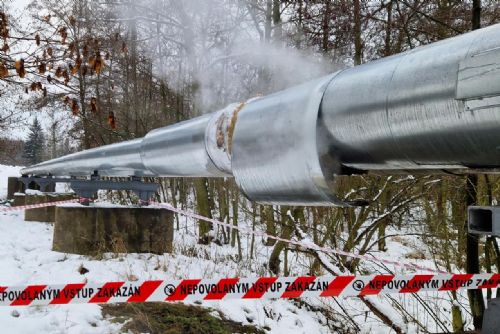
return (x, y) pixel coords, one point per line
(108, 71)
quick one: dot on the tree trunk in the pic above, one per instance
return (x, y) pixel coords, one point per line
(325, 44)
(357, 33)
(476, 14)
(286, 233)
(476, 300)
(268, 26)
(388, 29)
(267, 215)
(203, 206)
(278, 28)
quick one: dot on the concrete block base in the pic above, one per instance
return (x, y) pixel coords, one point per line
(19, 199)
(47, 214)
(14, 186)
(96, 230)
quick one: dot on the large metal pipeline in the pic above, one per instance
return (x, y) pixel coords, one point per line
(433, 108)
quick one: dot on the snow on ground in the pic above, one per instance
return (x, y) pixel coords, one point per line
(27, 258)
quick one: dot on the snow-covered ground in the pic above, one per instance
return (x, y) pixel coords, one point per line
(27, 258)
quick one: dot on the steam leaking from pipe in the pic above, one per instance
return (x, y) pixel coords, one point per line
(431, 109)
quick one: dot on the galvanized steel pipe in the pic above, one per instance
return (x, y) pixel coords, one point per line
(430, 109)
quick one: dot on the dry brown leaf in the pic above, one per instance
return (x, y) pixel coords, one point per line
(19, 66)
(42, 68)
(73, 69)
(111, 120)
(64, 34)
(93, 105)
(98, 64)
(59, 72)
(91, 62)
(4, 72)
(4, 27)
(65, 75)
(74, 107)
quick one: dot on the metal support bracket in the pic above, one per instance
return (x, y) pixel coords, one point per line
(87, 188)
(484, 220)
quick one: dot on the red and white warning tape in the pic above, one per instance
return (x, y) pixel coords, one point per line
(240, 288)
(35, 206)
(308, 245)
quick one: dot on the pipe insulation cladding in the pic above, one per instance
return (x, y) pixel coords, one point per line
(430, 109)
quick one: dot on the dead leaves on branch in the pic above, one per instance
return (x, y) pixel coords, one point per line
(111, 120)
(42, 68)
(63, 31)
(19, 66)
(4, 26)
(59, 72)
(96, 63)
(73, 104)
(4, 72)
(75, 108)
(60, 60)
(36, 86)
(93, 105)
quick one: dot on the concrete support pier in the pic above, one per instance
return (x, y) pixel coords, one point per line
(47, 214)
(19, 199)
(95, 230)
(14, 186)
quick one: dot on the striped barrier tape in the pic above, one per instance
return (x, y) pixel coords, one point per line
(188, 290)
(36, 206)
(308, 245)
